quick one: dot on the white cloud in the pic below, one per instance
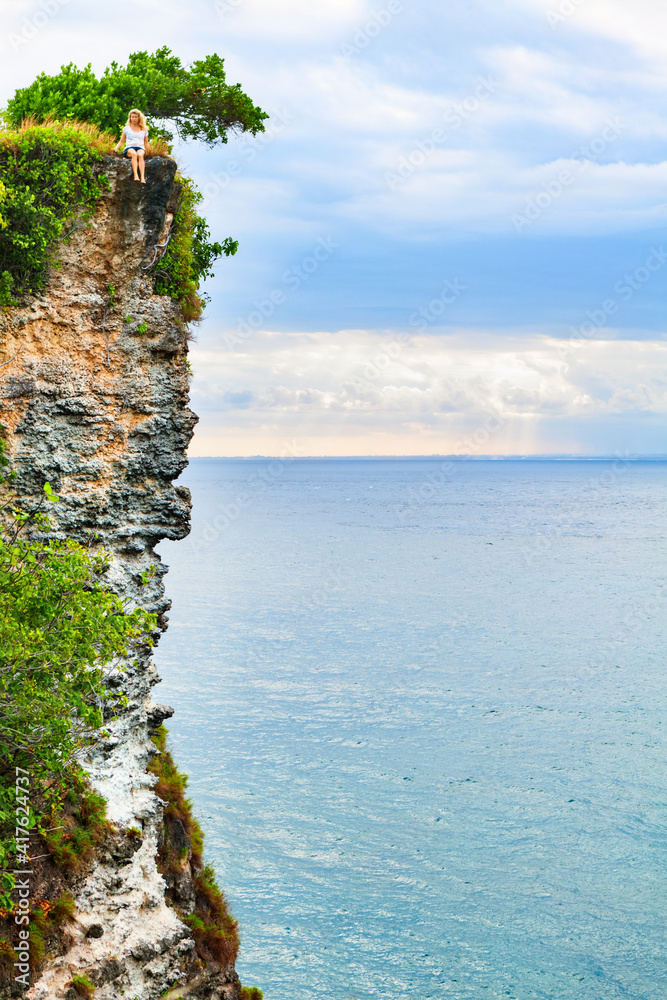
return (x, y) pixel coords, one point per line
(535, 86)
(415, 395)
(641, 25)
(371, 144)
(294, 20)
(485, 191)
(357, 96)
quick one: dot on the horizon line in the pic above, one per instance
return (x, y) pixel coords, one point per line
(557, 457)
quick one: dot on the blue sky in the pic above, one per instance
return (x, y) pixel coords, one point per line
(454, 225)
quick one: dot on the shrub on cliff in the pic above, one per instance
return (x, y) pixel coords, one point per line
(197, 99)
(190, 256)
(47, 174)
(58, 627)
(214, 929)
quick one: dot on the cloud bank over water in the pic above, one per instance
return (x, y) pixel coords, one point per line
(378, 392)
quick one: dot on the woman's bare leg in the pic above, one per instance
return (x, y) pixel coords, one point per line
(133, 157)
(142, 165)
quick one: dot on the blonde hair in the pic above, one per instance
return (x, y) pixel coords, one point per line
(142, 118)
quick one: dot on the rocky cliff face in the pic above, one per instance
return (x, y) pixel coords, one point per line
(93, 396)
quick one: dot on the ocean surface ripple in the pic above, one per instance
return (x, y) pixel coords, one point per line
(421, 708)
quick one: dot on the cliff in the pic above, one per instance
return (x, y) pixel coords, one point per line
(93, 397)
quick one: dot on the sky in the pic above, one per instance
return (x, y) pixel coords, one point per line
(452, 234)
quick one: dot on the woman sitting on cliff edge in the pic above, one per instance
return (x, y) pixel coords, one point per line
(134, 135)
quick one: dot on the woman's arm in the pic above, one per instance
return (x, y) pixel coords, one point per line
(122, 139)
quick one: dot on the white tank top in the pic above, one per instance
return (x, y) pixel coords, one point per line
(134, 138)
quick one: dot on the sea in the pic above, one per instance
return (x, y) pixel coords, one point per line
(421, 705)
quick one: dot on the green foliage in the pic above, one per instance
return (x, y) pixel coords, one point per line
(62, 910)
(58, 627)
(190, 256)
(250, 993)
(37, 942)
(47, 172)
(76, 822)
(170, 787)
(7, 958)
(197, 99)
(47, 920)
(214, 929)
(6, 282)
(83, 986)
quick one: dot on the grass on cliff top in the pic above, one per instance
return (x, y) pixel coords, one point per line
(13, 137)
(102, 142)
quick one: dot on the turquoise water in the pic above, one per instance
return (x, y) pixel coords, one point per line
(421, 710)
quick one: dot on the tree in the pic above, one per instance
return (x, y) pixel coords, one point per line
(196, 99)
